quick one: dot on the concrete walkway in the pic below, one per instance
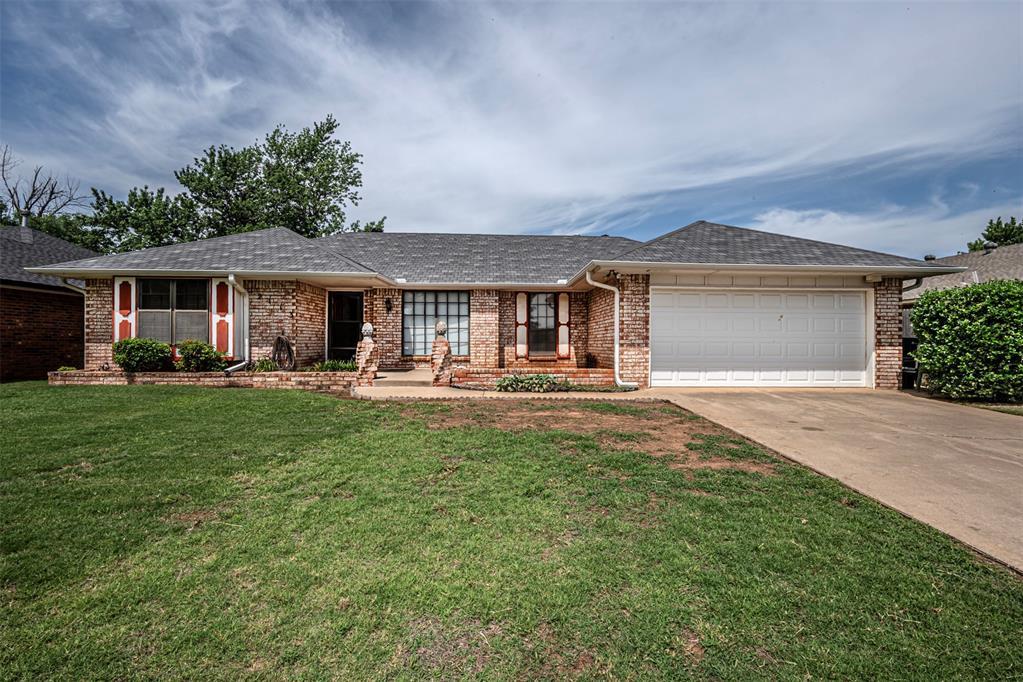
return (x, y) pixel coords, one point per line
(954, 467)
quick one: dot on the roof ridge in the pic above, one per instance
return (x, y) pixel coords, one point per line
(663, 236)
(483, 234)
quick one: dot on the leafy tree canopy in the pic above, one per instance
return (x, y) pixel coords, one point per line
(999, 233)
(304, 181)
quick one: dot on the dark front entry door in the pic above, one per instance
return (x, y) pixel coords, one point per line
(344, 322)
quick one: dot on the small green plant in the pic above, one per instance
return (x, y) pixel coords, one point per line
(143, 355)
(66, 368)
(264, 365)
(971, 341)
(334, 366)
(199, 356)
(529, 383)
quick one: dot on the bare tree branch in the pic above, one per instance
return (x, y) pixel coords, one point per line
(45, 194)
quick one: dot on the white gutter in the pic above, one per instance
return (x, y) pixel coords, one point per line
(236, 285)
(72, 287)
(617, 294)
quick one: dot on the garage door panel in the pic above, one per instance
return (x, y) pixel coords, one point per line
(722, 338)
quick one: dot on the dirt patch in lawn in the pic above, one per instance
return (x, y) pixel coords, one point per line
(658, 429)
(193, 519)
(436, 646)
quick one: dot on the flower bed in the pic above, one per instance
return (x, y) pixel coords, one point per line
(487, 377)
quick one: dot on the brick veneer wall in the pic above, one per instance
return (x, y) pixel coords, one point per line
(39, 332)
(600, 327)
(386, 326)
(634, 322)
(484, 327)
(290, 308)
(99, 323)
(888, 333)
(578, 307)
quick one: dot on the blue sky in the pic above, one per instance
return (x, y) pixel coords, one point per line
(896, 127)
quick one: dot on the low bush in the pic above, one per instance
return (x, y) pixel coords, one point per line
(199, 356)
(143, 355)
(530, 383)
(264, 365)
(67, 368)
(334, 366)
(971, 341)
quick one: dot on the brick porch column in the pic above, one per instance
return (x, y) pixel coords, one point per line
(888, 333)
(484, 318)
(99, 323)
(634, 327)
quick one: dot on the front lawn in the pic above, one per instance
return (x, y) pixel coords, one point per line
(188, 533)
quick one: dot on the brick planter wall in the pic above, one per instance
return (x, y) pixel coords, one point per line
(290, 308)
(486, 377)
(39, 332)
(99, 323)
(888, 333)
(323, 382)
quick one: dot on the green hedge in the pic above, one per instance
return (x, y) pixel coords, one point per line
(199, 356)
(143, 355)
(971, 341)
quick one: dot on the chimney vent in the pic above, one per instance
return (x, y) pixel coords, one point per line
(989, 247)
(929, 257)
(24, 232)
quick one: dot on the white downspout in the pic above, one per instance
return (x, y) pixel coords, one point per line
(614, 290)
(236, 285)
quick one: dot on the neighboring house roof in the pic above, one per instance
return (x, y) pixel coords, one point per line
(432, 258)
(276, 250)
(465, 259)
(714, 244)
(23, 247)
(1005, 262)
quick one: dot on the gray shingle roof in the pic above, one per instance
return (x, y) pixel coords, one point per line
(24, 247)
(1005, 262)
(715, 244)
(273, 250)
(431, 258)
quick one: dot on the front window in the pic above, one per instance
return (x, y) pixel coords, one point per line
(543, 320)
(173, 310)
(420, 312)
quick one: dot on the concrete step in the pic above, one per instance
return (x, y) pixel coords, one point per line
(403, 377)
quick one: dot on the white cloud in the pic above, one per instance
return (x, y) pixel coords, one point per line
(912, 232)
(566, 118)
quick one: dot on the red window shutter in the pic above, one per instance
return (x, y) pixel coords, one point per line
(222, 317)
(564, 319)
(521, 325)
(124, 308)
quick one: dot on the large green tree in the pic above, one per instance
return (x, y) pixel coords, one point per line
(1000, 233)
(146, 218)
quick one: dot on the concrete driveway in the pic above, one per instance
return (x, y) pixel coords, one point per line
(957, 468)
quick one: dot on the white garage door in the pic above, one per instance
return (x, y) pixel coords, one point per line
(757, 338)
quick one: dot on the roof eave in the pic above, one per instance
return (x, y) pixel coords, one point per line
(906, 271)
(219, 272)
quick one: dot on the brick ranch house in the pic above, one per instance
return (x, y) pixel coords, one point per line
(705, 305)
(42, 317)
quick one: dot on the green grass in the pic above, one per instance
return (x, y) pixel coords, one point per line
(175, 532)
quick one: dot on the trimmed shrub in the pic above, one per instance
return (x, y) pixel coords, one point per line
(334, 366)
(143, 355)
(971, 341)
(264, 365)
(199, 356)
(529, 383)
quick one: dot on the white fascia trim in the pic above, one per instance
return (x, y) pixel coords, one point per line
(135, 272)
(723, 267)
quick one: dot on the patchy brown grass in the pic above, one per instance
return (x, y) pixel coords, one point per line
(661, 430)
(436, 646)
(193, 519)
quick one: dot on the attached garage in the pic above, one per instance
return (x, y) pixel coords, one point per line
(717, 337)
